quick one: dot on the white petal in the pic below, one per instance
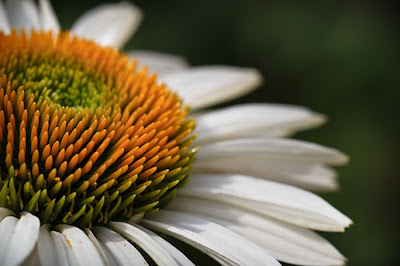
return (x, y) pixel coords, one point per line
(159, 63)
(144, 241)
(109, 24)
(4, 212)
(45, 247)
(23, 240)
(4, 25)
(106, 256)
(48, 18)
(83, 249)
(64, 253)
(223, 245)
(23, 14)
(251, 119)
(7, 226)
(209, 85)
(33, 258)
(285, 242)
(123, 252)
(309, 176)
(272, 149)
(178, 256)
(289, 252)
(280, 201)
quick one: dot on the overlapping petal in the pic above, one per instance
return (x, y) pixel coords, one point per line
(83, 249)
(64, 253)
(244, 120)
(280, 201)
(22, 240)
(7, 226)
(275, 149)
(225, 246)
(120, 249)
(285, 242)
(310, 176)
(205, 86)
(177, 255)
(145, 241)
(46, 246)
(103, 252)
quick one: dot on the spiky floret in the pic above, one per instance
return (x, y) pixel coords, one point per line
(84, 137)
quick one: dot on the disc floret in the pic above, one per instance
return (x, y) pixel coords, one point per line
(84, 136)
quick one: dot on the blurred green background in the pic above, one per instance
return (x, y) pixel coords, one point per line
(340, 58)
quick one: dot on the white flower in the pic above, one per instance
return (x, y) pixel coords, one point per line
(245, 203)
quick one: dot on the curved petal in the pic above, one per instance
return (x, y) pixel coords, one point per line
(7, 227)
(64, 254)
(144, 241)
(273, 149)
(310, 176)
(285, 242)
(32, 259)
(4, 25)
(283, 202)
(4, 212)
(48, 18)
(178, 256)
(45, 247)
(159, 63)
(245, 119)
(225, 246)
(23, 14)
(108, 259)
(83, 249)
(205, 86)
(123, 252)
(23, 240)
(109, 24)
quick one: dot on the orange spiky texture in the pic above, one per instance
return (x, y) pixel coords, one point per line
(84, 137)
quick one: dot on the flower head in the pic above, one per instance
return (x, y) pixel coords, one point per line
(85, 136)
(93, 145)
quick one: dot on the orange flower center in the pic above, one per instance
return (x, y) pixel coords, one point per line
(84, 136)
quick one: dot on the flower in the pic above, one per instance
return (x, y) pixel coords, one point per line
(92, 146)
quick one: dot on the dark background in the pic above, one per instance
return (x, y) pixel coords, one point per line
(340, 58)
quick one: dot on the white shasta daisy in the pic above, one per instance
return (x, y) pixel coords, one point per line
(91, 149)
